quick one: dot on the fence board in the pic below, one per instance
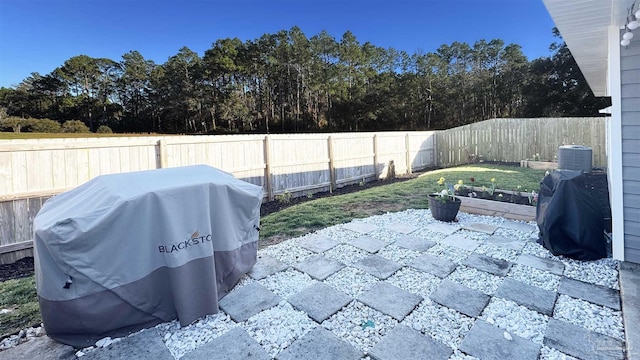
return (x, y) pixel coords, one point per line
(512, 140)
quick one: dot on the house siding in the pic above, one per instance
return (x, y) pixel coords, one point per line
(630, 120)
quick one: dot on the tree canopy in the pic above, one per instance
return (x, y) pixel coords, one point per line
(288, 82)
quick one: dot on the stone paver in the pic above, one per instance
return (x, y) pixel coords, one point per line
(630, 296)
(320, 344)
(146, 344)
(468, 301)
(432, 264)
(360, 227)
(44, 348)
(442, 228)
(266, 266)
(461, 242)
(579, 342)
(519, 226)
(377, 266)
(247, 301)
(480, 227)
(403, 342)
(414, 243)
(367, 243)
(553, 266)
(319, 301)
(489, 342)
(390, 300)
(531, 297)
(488, 264)
(505, 242)
(319, 267)
(318, 243)
(236, 344)
(590, 292)
(402, 228)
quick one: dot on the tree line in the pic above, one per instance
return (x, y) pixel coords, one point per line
(287, 82)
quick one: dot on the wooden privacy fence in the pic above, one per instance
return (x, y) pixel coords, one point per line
(33, 170)
(512, 140)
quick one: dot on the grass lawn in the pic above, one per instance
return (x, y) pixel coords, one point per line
(20, 295)
(411, 194)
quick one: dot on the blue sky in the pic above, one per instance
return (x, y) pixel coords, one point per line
(39, 35)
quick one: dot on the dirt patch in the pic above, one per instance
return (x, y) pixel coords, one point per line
(19, 269)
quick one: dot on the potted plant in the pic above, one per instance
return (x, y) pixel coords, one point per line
(444, 205)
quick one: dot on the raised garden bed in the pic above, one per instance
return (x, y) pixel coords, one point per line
(508, 204)
(539, 165)
(498, 208)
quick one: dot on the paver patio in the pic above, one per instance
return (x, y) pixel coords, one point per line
(425, 253)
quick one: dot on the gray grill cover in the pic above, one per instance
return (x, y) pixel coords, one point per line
(127, 251)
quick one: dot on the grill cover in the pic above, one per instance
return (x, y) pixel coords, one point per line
(127, 251)
(570, 219)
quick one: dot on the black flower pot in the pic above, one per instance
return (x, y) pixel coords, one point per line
(444, 211)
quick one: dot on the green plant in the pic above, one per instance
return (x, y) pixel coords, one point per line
(492, 187)
(447, 193)
(45, 126)
(104, 129)
(309, 195)
(74, 126)
(361, 183)
(284, 198)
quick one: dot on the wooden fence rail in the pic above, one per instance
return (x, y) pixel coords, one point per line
(33, 170)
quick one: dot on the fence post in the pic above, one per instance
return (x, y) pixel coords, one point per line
(436, 160)
(408, 158)
(375, 156)
(162, 153)
(267, 167)
(332, 168)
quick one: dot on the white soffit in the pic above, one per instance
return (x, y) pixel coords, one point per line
(583, 25)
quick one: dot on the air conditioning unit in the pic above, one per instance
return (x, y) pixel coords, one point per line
(575, 157)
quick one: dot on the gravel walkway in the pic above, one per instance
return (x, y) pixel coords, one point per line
(403, 285)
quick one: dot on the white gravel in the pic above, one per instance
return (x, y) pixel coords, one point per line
(594, 317)
(278, 327)
(415, 281)
(346, 254)
(498, 252)
(601, 272)
(180, 341)
(288, 282)
(535, 277)
(398, 254)
(452, 253)
(535, 249)
(441, 323)
(352, 281)
(288, 253)
(476, 279)
(350, 324)
(516, 319)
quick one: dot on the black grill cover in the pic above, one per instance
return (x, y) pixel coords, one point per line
(570, 219)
